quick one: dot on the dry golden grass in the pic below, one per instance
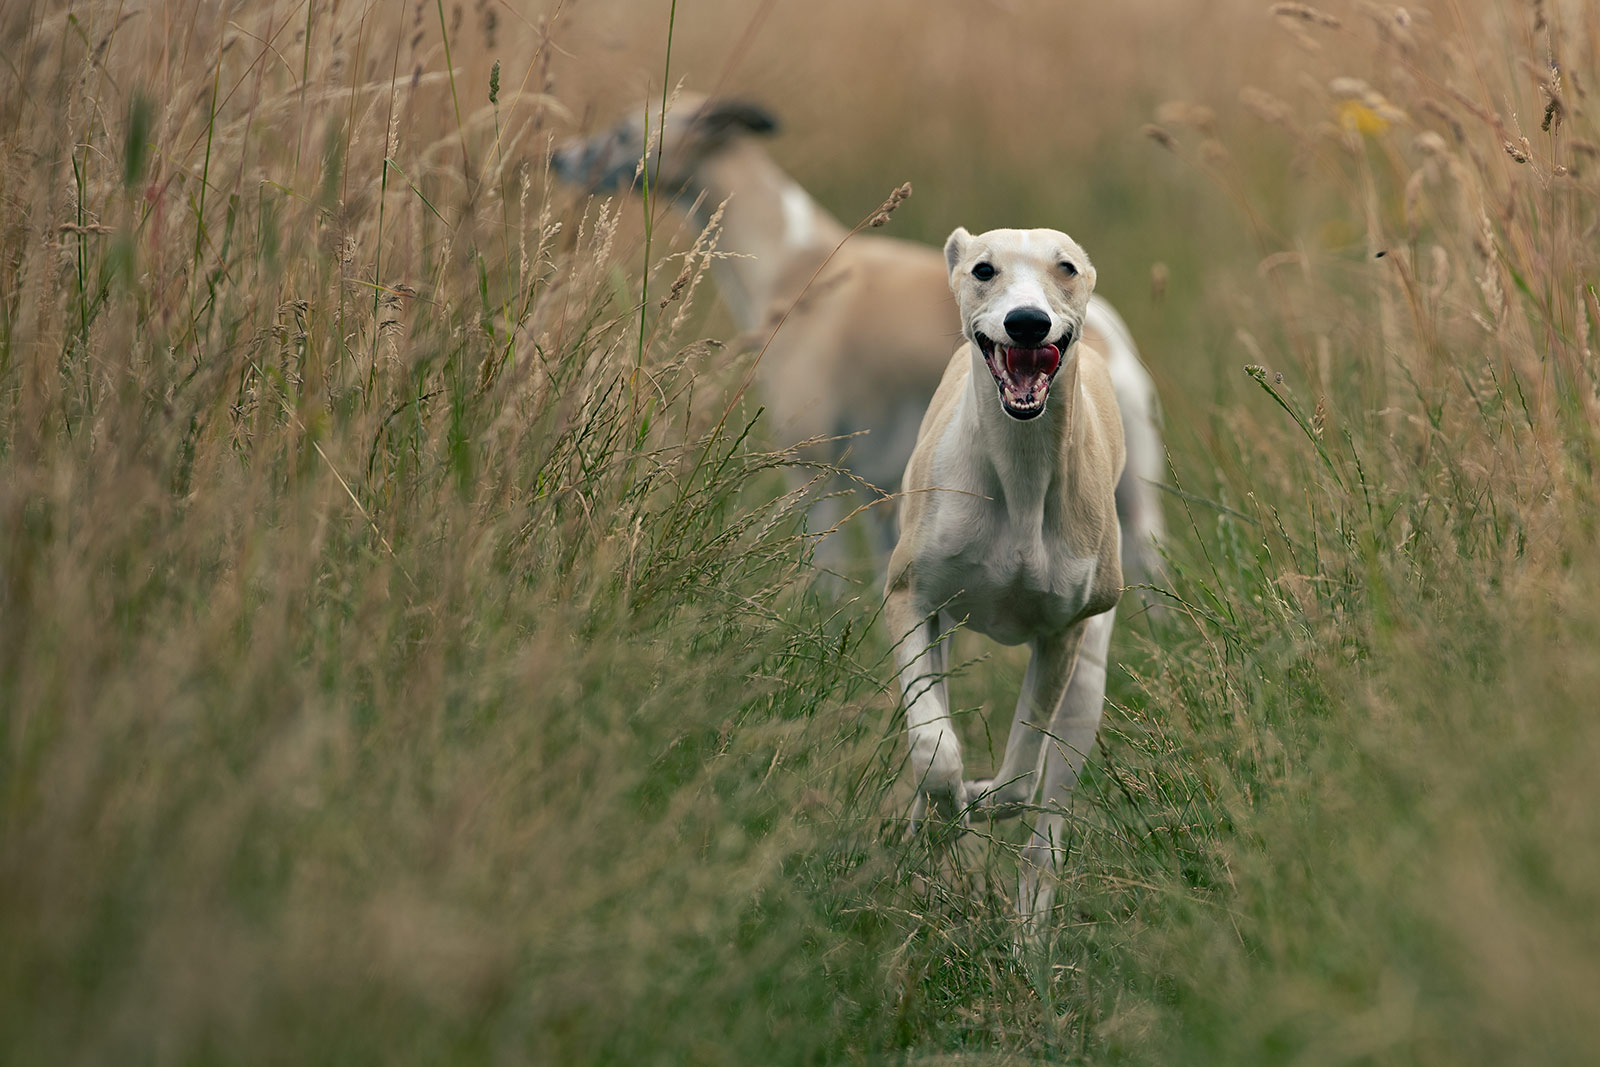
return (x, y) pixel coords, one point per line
(405, 647)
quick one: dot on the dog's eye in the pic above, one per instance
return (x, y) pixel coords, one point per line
(983, 271)
(1067, 267)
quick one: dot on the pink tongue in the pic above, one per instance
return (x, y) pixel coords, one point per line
(1030, 361)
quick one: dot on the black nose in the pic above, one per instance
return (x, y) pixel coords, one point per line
(1028, 326)
(570, 162)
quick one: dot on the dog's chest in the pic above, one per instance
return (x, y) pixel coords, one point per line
(1010, 581)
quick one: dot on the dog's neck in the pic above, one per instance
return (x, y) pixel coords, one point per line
(768, 224)
(1028, 458)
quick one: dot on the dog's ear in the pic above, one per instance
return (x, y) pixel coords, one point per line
(720, 118)
(955, 247)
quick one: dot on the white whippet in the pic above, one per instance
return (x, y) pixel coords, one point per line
(863, 348)
(1008, 523)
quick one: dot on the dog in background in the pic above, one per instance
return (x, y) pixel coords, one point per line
(863, 347)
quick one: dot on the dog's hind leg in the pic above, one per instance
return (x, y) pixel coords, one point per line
(878, 459)
(830, 555)
(1072, 731)
(1138, 498)
(1139, 503)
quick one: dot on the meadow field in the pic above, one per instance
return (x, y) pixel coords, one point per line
(409, 646)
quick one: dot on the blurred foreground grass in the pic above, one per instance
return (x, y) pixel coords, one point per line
(403, 660)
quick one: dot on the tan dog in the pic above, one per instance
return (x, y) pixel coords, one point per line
(1008, 523)
(862, 350)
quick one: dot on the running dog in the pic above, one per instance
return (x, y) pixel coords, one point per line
(862, 346)
(1008, 523)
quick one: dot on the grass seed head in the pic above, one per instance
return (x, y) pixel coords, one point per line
(1186, 113)
(886, 209)
(1306, 13)
(1160, 136)
(1266, 106)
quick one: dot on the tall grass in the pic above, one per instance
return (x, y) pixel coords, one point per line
(384, 679)
(378, 681)
(1398, 652)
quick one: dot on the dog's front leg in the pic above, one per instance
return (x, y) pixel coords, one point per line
(1043, 688)
(935, 751)
(1071, 735)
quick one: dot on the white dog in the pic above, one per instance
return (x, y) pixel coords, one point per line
(863, 348)
(1008, 522)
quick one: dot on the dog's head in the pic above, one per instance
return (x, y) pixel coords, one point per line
(695, 128)
(1022, 295)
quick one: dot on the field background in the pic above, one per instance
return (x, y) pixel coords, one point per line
(408, 653)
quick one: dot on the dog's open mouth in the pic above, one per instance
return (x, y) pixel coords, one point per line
(1023, 375)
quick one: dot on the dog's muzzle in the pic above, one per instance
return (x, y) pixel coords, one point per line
(1023, 375)
(592, 168)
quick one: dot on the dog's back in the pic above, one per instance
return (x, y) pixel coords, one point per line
(862, 349)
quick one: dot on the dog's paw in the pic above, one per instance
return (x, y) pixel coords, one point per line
(936, 762)
(941, 790)
(941, 807)
(999, 802)
(940, 813)
(950, 804)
